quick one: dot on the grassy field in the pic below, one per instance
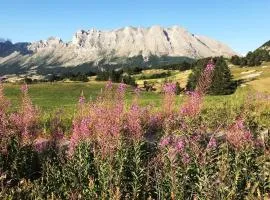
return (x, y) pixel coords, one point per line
(50, 97)
(64, 95)
(257, 77)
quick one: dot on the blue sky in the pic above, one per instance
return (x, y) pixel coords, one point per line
(242, 24)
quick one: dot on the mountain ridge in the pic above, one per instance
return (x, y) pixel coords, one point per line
(265, 46)
(98, 47)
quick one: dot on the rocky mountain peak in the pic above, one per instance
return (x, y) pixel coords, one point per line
(129, 42)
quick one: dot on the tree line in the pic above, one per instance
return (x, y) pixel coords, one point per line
(254, 58)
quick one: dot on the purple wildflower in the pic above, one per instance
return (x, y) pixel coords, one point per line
(81, 100)
(238, 135)
(212, 143)
(169, 88)
(210, 66)
(185, 158)
(121, 88)
(24, 88)
(26, 120)
(169, 97)
(80, 131)
(193, 104)
(180, 145)
(165, 141)
(109, 84)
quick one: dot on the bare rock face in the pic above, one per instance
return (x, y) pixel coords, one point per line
(51, 42)
(95, 45)
(130, 41)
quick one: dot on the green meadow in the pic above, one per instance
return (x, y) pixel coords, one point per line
(63, 96)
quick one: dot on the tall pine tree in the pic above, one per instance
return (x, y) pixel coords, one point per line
(222, 82)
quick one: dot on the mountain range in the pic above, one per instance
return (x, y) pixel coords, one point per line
(95, 49)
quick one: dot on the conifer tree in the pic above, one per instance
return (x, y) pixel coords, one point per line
(222, 82)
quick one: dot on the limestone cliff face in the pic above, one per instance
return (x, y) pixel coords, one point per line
(95, 45)
(130, 41)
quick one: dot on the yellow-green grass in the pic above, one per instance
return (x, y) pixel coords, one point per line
(261, 76)
(176, 76)
(63, 95)
(50, 97)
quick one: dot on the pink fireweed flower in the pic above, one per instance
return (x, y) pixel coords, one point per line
(169, 97)
(194, 101)
(4, 119)
(133, 122)
(24, 88)
(248, 136)
(165, 141)
(155, 120)
(41, 144)
(121, 88)
(108, 85)
(212, 143)
(4, 102)
(26, 120)
(81, 99)
(169, 88)
(196, 137)
(180, 145)
(193, 105)
(238, 135)
(205, 79)
(185, 158)
(107, 121)
(57, 132)
(239, 124)
(210, 66)
(80, 131)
